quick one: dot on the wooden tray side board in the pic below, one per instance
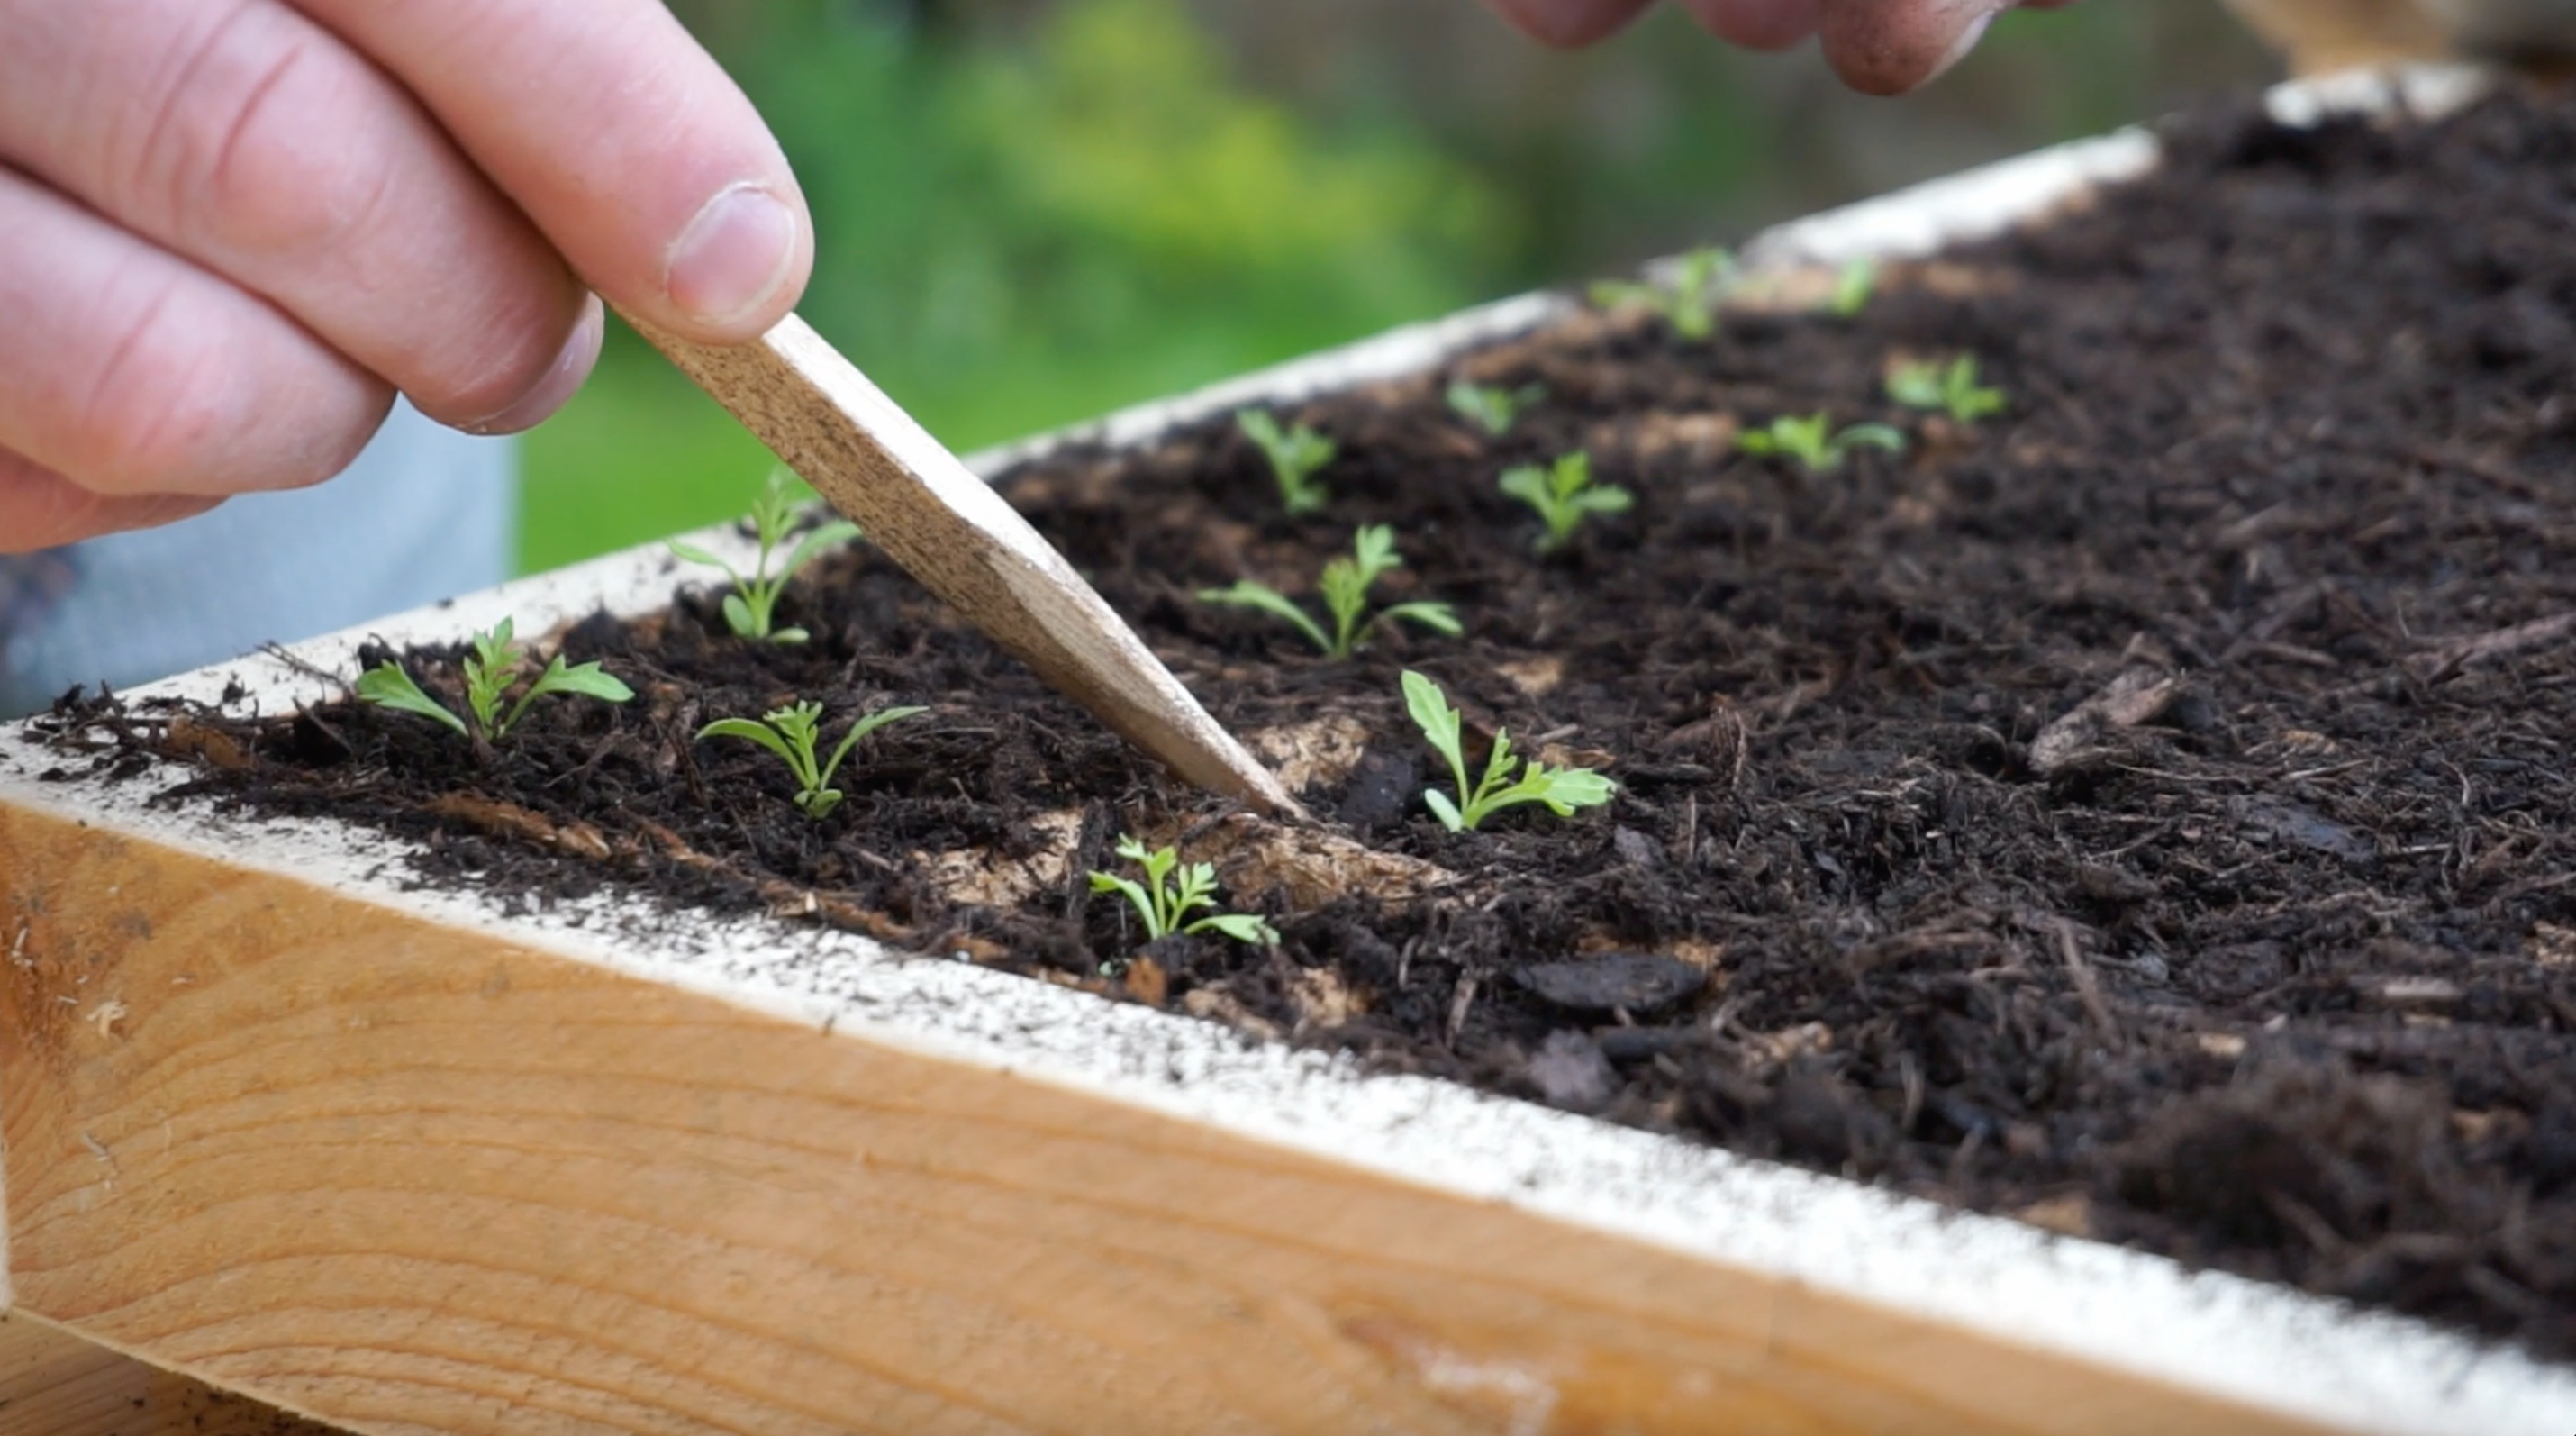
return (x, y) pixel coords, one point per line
(412, 1177)
(409, 1163)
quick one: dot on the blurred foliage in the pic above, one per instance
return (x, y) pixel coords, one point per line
(1033, 211)
(1018, 235)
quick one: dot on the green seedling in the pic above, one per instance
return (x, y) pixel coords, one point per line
(1701, 282)
(1562, 790)
(1813, 442)
(1853, 289)
(1172, 891)
(1345, 585)
(1564, 495)
(1490, 407)
(1294, 454)
(754, 599)
(792, 733)
(1951, 388)
(489, 672)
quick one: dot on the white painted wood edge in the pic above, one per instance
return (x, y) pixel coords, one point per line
(2251, 1342)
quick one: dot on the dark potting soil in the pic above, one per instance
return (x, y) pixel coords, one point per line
(2147, 812)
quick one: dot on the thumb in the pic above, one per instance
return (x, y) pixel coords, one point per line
(1887, 47)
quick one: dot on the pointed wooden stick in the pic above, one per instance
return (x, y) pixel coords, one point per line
(947, 527)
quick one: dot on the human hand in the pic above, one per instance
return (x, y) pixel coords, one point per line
(230, 233)
(1884, 47)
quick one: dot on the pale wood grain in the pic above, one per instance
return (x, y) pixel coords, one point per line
(2321, 37)
(947, 527)
(417, 1178)
(54, 1384)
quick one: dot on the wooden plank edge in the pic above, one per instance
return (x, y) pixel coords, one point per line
(413, 1174)
(2006, 1285)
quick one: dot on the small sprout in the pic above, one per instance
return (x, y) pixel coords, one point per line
(1294, 454)
(1491, 407)
(1853, 289)
(1562, 789)
(1345, 585)
(1564, 495)
(490, 670)
(1171, 892)
(1701, 281)
(1951, 388)
(1812, 441)
(749, 607)
(791, 733)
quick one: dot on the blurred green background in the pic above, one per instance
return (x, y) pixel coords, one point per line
(1033, 211)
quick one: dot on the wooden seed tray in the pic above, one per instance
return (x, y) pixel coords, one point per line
(408, 1163)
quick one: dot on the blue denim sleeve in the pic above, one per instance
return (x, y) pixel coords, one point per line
(424, 514)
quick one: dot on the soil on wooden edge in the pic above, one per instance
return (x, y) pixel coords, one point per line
(2146, 812)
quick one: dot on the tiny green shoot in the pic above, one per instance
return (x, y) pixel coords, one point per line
(1562, 790)
(1812, 441)
(748, 609)
(792, 733)
(1951, 388)
(1564, 495)
(1702, 279)
(1172, 891)
(1491, 407)
(1854, 287)
(1345, 585)
(1294, 454)
(489, 672)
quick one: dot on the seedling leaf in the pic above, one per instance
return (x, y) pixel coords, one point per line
(1811, 440)
(694, 554)
(791, 733)
(387, 686)
(810, 547)
(1164, 902)
(1952, 389)
(751, 608)
(1562, 791)
(1854, 288)
(1702, 279)
(488, 671)
(1425, 613)
(750, 731)
(1344, 586)
(1243, 927)
(1563, 495)
(1294, 454)
(1490, 407)
(1248, 594)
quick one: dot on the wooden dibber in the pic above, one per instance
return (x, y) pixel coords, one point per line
(947, 527)
(2322, 37)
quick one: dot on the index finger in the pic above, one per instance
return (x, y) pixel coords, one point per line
(622, 140)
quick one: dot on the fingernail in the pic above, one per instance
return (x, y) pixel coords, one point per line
(563, 378)
(733, 257)
(1960, 47)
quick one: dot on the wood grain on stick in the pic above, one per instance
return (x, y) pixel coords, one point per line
(415, 1177)
(947, 528)
(2321, 37)
(55, 1384)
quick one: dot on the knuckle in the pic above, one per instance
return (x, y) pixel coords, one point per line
(145, 406)
(41, 510)
(285, 160)
(514, 359)
(249, 145)
(176, 406)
